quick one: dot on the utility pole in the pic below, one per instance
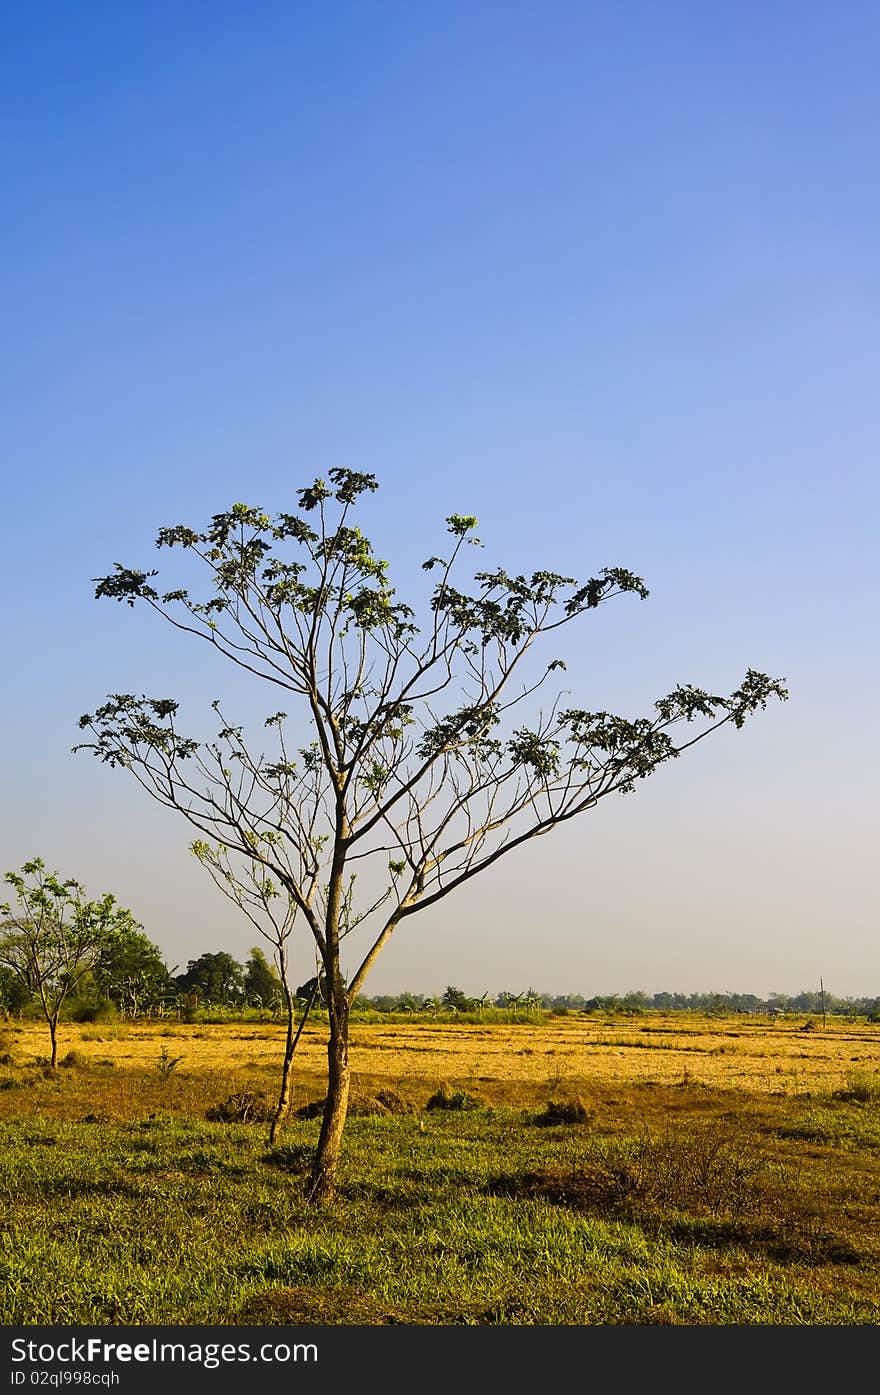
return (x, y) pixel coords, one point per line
(822, 993)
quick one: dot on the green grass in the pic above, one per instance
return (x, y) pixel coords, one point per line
(654, 1206)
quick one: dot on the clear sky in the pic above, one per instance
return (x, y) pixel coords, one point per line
(604, 275)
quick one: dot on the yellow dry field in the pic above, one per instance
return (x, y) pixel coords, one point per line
(500, 1061)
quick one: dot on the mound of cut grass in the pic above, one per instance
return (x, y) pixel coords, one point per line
(246, 1107)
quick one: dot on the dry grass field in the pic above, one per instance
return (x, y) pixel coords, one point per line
(516, 1064)
(581, 1170)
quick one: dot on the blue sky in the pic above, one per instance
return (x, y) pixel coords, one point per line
(604, 276)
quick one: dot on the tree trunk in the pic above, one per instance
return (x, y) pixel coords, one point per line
(283, 1108)
(322, 1183)
(53, 1034)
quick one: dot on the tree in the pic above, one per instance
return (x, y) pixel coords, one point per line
(131, 972)
(412, 760)
(217, 978)
(52, 937)
(262, 986)
(247, 884)
(15, 995)
(456, 1000)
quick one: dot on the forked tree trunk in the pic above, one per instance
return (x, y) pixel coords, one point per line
(282, 1109)
(322, 1183)
(286, 1093)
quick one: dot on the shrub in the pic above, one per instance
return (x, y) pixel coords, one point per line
(447, 1098)
(565, 1112)
(104, 1011)
(167, 1064)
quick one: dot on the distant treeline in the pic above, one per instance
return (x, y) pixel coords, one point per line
(809, 1002)
(131, 979)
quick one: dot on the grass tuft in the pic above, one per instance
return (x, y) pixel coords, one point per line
(574, 1111)
(860, 1088)
(448, 1098)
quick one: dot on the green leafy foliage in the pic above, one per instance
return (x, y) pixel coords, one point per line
(51, 936)
(131, 972)
(262, 986)
(214, 978)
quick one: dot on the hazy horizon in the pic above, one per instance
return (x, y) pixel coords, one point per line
(604, 277)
